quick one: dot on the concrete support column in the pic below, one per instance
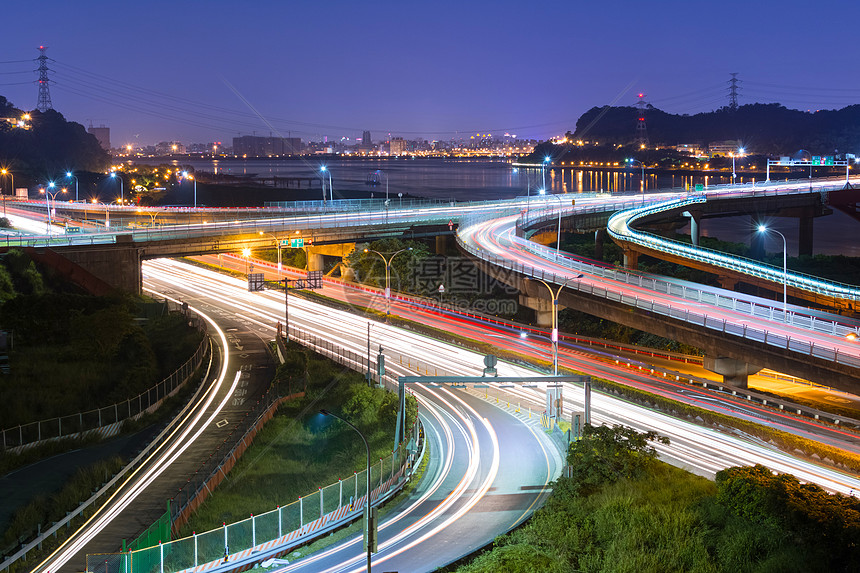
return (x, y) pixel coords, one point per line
(441, 244)
(805, 235)
(734, 372)
(695, 220)
(631, 259)
(315, 261)
(599, 238)
(727, 283)
(542, 308)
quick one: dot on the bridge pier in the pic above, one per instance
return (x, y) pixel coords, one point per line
(117, 265)
(734, 372)
(441, 244)
(542, 308)
(727, 283)
(631, 259)
(315, 261)
(695, 220)
(599, 239)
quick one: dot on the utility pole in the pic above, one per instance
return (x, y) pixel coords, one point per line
(44, 93)
(641, 128)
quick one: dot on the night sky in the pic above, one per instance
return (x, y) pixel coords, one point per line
(155, 71)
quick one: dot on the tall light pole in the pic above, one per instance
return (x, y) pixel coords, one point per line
(546, 160)
(367, 523)
(554, 337)
(387, 275)
(764, 229)
(558, 235)
(121, 192)
(9, 173)
(325, 170)
(631, 161)
(740, 153)
(277, 244)
(185, 175)
(70, 175)
(50, 197)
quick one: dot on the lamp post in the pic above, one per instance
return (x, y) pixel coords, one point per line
(50, 197)
(740, 153)
(70, 175)
(185, 175)
(558, 233)
(631, 161)
(9, 173)
(278, 245)
(325, 170)
(367, 500)
(543, 169)
(246, 253)
(387, 275)
(554, 337)
(121, 191)
(764, 229)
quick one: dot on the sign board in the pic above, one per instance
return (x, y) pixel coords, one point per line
(490, 362)
(700, 187)
(297, 243)
(554, 401)
(255, 282)
(315, 279)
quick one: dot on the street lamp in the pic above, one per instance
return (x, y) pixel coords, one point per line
(70, 175)
(50, 197)
(558, 235)
(121, 192)
(325, 170)
(185, 175)
(546, 160)
(367, 523)
(246, 252)
(764, 229)
(631, 161)
(387, 275)
(740, 153)
(9, 173)
(277, 244)
(554, 294)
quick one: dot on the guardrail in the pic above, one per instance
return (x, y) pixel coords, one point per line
(108, 420)
(244, 543)
(620, 227)
(682, 290)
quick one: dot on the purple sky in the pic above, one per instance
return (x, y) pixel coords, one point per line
(155, 71)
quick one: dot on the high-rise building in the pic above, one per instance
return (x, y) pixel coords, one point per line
(102, 133)
(365, 138)
(397, 146)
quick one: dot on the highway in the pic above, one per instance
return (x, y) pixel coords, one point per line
(702, 450)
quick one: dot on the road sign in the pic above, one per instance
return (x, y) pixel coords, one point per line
(297, 243)
(554, 403)
(700, 187)
(255, 282)
(314, 279)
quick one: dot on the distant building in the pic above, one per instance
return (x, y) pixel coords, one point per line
(252, 146)
(397, 146)
(170, 148)
(102, 134)
(689, 149)
(22, 122)
(723, 148)
(365, 138)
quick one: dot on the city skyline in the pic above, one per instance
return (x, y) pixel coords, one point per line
(198, 72)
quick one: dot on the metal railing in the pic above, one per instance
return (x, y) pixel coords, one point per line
(620, 227)
(272, 533)
(686, 291)
(105, 421)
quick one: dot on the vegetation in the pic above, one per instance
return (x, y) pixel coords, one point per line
(73, 352)
(49, 148)
(623, 510)
(48, 509)
(770, 128)
(300, 446)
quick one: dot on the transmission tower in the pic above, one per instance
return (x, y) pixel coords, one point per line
(733, 92)
(44, 92)
(641, 129)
